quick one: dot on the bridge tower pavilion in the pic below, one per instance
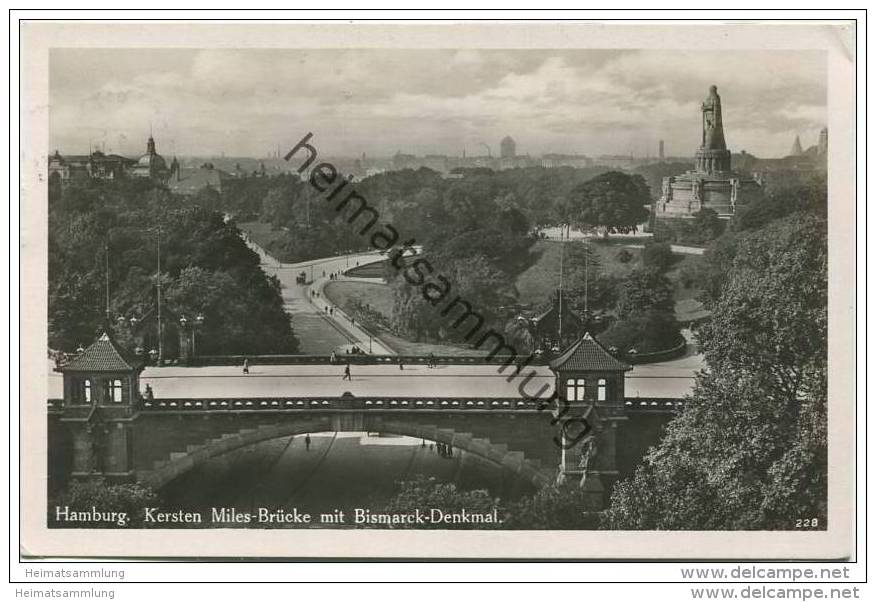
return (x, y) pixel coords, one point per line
(101, 395)
(590, 404)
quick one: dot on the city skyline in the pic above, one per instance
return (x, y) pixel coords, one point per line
(379, 102)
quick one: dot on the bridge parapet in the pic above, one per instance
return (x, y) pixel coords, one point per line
(360, 359)
(402, 404)
(654, 405)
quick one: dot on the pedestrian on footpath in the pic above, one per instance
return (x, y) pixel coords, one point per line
(401, 366)
(307, 441)
(347, 372)
(245, 366)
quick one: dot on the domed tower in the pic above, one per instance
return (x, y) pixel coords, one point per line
(713, 156)
(151, 165)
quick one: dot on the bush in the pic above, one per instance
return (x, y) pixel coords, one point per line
(86, 496)
(552, 507)
(705, 226)
(658, 255)
(645, 332)
(624, 256)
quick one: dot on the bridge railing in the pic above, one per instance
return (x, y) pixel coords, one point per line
(638, 405)
(338, 403)
(653, 404)
(343, 358)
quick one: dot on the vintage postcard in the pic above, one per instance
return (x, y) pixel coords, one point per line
(447, 290)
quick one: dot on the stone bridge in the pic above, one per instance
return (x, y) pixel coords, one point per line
(586, 431)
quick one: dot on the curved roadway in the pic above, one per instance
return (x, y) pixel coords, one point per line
(320, 326)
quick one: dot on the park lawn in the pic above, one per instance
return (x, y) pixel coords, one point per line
(537, 283)
(674, 274)
(265, 236)
(379, 297)
(371, 270)
(405, 347)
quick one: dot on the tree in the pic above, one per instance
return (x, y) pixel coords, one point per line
(658, 255)
(277, 208)
(809, 198)
(645, 332)
(771, 315)
(644, 289)
(706, 225)
(551, 507)
(426, 493)
(206, 267)
(732, 459)
(749, 448)
(613, 201)
(85, 496)
(519, 333)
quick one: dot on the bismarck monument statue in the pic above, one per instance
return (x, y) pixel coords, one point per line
(711, 185)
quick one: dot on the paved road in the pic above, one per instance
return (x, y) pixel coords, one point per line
(319, 331)
(669, 379)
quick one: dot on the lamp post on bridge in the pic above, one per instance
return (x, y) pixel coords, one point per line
(193, 325)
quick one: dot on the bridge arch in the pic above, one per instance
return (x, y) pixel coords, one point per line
(178, 463)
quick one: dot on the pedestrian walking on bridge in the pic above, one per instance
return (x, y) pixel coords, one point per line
(307, 441)
(245, 366)
(347, 372)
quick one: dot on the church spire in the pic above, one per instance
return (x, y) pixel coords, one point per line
(796, 148)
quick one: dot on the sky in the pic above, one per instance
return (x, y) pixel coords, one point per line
(248, 102)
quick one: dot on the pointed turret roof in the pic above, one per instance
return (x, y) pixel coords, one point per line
(587, 354)
(104, 355)
(796, 148)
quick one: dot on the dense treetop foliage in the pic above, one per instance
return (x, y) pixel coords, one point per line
(206, 268)
(749, 449)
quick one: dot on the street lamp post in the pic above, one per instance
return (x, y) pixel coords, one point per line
(195, 324)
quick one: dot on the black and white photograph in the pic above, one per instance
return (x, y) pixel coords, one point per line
(493, 289)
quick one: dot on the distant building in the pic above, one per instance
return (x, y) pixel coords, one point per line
(401, 160)
(822, 142)
(711, 184)
(660, 151)
(617, 161)
(796, 148)
(437, 163)
(507, 148)
(560, 160)
(97, 165)
(151, 164)
(189, 181)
